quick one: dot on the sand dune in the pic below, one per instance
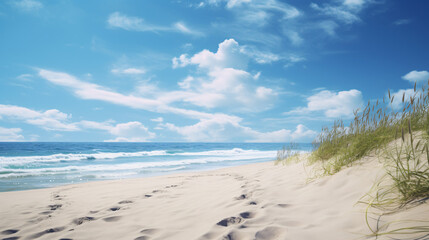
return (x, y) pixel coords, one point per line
(257, 201)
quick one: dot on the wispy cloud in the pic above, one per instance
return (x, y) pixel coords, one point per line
(209, 126)
(55, 120)
(329, 27)
(51, 119)
(229, 129)
(27, 5)
(340, 12)
(130, 23)
(11, 135)
(400, 22)
(129, 71)
(294, 37)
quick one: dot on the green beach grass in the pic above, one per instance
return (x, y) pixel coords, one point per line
(398, 138)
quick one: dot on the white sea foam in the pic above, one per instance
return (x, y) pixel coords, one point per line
(8, 172)
(21, 160)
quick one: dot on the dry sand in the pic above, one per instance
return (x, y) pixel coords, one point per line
(257, 201)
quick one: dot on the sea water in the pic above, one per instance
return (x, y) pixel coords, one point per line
(40, 165)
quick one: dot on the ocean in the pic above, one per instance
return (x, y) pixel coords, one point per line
(40, 165)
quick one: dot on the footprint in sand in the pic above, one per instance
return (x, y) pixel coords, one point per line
(149, 231)
(142, 238)
(11, 238)
(55, 206)
(112, 219)
(114, 209)
(283, 205)
(233, 235)
(229, 221)
(243, 196)
(247, 215)
(47, 231)
(125, 202)
(9, 231)
(79, 221)
(269, 233)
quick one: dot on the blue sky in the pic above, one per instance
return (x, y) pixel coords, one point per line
(214, 70)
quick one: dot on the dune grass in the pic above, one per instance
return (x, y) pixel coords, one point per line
(400, 138)
(371, 130)
(287, 154)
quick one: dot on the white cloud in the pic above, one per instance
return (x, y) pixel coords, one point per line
(10, 134)
(354, 3)
(90, 91)
(228, 55)
(129, 71)
(341, 12)
(25, 77)
(129, 23)
(186, 83)
(54, 120)
(400, 22)
(406, 93)
(131, 132)
(332, 104)
(158, 119)
(260, 57)
(416, 76)
(293, 59)
(49, 120)
(229, 129)
(124, 132)
(224, 82)
(294, 37)
(259, 7)
(301, 134)
(181, 61)
(329, 27)
(28, 5)
(210, 127)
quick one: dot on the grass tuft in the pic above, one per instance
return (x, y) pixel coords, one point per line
(398, 137)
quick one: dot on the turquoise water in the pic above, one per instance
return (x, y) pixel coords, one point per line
(40, 165)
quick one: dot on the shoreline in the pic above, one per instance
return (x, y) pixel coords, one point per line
(252, 201)
(153, 175)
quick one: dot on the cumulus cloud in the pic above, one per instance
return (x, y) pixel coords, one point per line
(416, 76)
(403, 93)
(332, 104)
(11, 135)
(224, 81)
(130, 23)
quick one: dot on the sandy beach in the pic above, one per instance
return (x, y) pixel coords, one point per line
(256, 201)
